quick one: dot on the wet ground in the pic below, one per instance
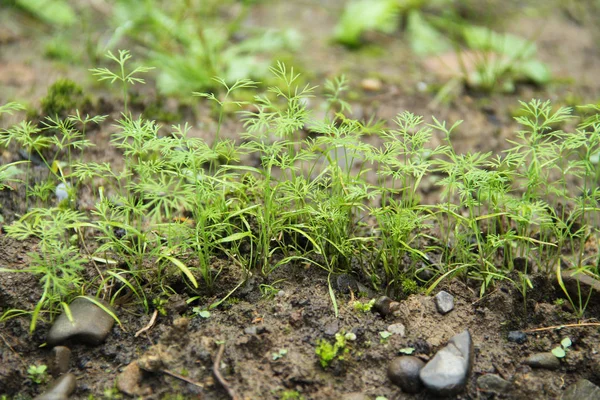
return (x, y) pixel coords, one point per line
(268, 342)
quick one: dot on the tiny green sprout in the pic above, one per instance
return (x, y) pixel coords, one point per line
(381, 398)
(407, 350)
(385, 335)
(201, 313)
(363, 307)
(37, 373)
(561, 351)
(280, 354)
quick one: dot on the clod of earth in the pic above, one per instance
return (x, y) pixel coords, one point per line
(493, 383)
(61, 389)
(404, 372)
(130, 379)
(447, 372)
(91, 324)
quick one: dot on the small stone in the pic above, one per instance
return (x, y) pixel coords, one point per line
(296, 318)
(346, 284)
(542, 360)
(251, 330)
(332, 327)
(493, 383)
(371, 84)
(129, 381)
(517, 337)
(382, 306)
(59, 360)
(91, 324)
(397, 329)
(62, 191)
(404, 372)
(582, 390)
(447, 372)
(61, 389)
(444, 302)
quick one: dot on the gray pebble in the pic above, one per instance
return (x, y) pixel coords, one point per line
(59, 360)
(543, 360)
(404, 372)
(60, 389)
(346, 283)
(517, 337)
(332, 327)
(62, 191)
(397, 329)
(444, 302)
(582, 390)
(493, 383)
(447, 372)
(91, 324)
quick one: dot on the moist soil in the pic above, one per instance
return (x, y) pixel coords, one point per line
(264, 346)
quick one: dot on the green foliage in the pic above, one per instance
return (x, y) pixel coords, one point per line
(363, 307)
(327, 352)
(195, 44)
(290, 395)
(493, 61)
(64, 97)
(121, 74)
(364, 15)
(561, 351)
(54, 12)
(37, 373)
(180, 208)
(280, 354)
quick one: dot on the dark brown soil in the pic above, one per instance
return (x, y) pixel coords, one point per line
(302, 313)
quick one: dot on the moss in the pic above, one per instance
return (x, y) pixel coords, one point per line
(409, 286)
(64, 96)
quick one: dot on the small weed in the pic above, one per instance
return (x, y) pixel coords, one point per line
(363, 307)
(561, 351)
(280, 354)
(291, 395)
(37, 373)
(63, 98)
(328, 352)
(384, 336)
(407, 350)
(201, 313)
(269, 291)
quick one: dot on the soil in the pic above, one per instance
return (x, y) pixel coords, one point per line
(250, 328)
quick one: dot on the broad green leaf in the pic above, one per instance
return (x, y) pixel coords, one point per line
(53, 12)
(424, 38)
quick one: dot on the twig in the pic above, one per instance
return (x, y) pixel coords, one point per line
(218, 375)
(183, 378)
(549, 328)
(13, 350)
(150, 324)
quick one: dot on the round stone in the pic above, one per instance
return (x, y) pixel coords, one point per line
(404, 372)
